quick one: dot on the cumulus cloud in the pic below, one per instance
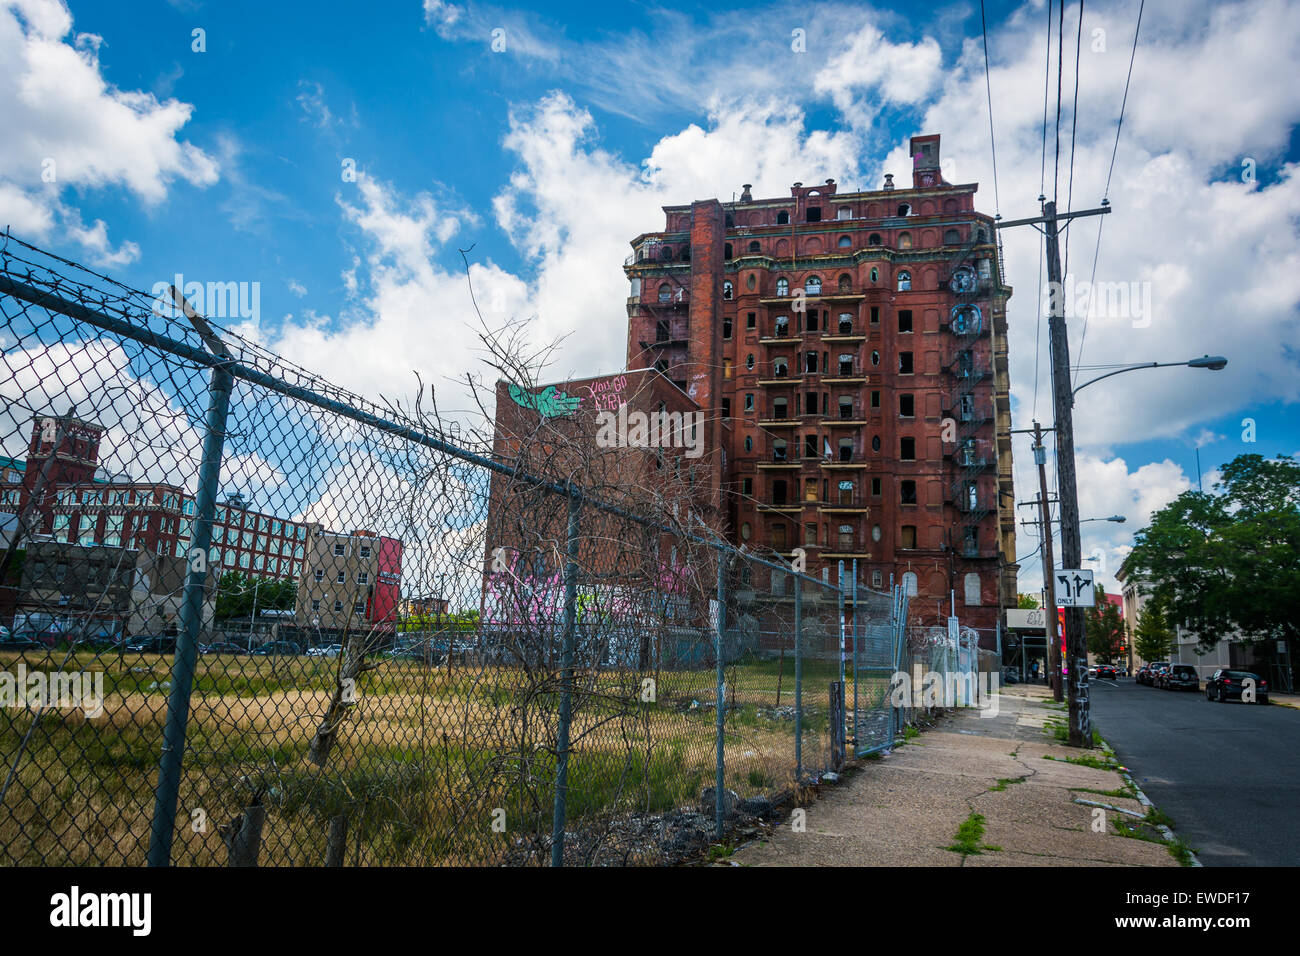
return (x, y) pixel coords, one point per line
(67, 126)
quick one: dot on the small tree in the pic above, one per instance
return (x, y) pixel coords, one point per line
(1105, 629)
(1027, 602)
(1152, 638)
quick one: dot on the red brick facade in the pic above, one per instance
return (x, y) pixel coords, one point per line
(849, 351)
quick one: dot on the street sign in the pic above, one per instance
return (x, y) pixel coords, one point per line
(1074, 588)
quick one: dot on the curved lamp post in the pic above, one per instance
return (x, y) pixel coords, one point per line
(1212, 362)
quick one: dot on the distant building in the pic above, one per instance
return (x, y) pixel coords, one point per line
(428, 605)
(596, 432)
(76, 505)
(99, 591)
(350, 580)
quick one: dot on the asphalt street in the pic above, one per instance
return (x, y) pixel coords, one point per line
(1226, 773)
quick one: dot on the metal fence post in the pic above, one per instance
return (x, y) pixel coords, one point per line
(720, 775)
(191, 622)
(566, 683)
(895, 717)
(857, 609)
(798, 678)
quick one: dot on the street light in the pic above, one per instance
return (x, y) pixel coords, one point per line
(1118, 519)
(1212, 362)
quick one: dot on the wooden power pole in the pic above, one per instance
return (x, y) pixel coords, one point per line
(1076, 651)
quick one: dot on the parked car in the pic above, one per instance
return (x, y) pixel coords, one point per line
(222, 647)
(1154, 670)
(325, 650)
(1227, 684)
(277, 649)
(1092, 672)
(1181, 677)
(19, 642)
(1106, 670)
(155, 644)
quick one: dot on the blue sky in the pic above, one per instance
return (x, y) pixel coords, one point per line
(549, 154)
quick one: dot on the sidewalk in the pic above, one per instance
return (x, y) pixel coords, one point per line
(906, 808)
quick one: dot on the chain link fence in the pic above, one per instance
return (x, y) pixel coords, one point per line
(252, 619)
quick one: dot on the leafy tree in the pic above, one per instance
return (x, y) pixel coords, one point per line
(1153, 638)
(236, 592)
(1228, 563)
(1026, 602)
(1105, 629)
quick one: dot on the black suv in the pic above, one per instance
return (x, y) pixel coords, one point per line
(1228, 685)
(1181, 677)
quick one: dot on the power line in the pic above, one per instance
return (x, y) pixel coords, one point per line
(988, 89)
(1042, 185)
(1096, 252)
(1060, 39)
(1074, 125)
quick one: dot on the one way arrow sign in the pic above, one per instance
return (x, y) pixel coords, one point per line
(1074, 588)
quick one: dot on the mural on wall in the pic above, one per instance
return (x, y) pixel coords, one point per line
(549, 402)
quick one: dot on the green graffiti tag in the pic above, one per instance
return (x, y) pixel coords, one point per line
(548, 402)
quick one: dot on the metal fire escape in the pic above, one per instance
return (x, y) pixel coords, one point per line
(968, 323)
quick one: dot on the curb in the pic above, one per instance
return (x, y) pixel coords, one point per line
(1143, 799)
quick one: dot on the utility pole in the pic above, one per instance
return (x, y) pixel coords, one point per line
(1076, 652)
(1049, 567)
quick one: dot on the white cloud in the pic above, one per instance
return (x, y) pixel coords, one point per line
(297, 288)
(873, 72)
(67, 126)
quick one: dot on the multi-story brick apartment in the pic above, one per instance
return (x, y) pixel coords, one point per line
(350, 579)
(850, 353)
(79, 505)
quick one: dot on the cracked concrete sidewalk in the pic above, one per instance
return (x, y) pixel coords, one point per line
(905, 808)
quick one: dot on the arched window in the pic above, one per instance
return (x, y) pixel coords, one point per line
(783, 218)
(875, 274)
(749, 443)
(875, 357)
(783, 286)
(845, 242)
(846, 323)
(778, 449)
(665, 292)
(846, 449)
(845, 283)
(873, 239)
(782, 326)
(972, 589)
(904, 281)
(904, 209)
(754, 246)
(726, 290)
(905, 240)
(749, 360)
(951, 237)
(780, 367)
(813, 285)
(666, 254)
(909, 583)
